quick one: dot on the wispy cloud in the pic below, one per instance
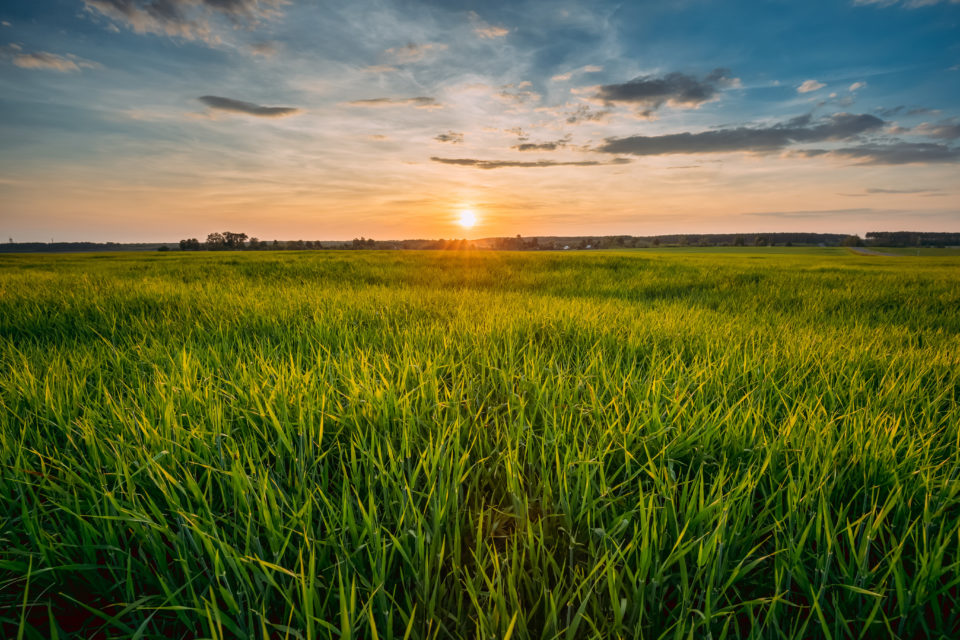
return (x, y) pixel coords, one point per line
(267, 49)
(249, 108)
(904, 191)
(187, 19)
(419, 102)
(412, 52)
(803, 129)
(502, 164)
(51, 61)
(590, 68)
(486, 30)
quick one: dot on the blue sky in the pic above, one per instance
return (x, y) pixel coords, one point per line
(162, 119)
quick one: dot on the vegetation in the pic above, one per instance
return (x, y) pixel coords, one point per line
(472, 444)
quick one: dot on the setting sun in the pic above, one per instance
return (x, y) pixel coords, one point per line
(467, 219)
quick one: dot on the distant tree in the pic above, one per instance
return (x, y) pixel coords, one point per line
(215, 242)
(738, 241)
(233, 240)
(851, 241)
(190, 244)
(163, 247)
(254, 243)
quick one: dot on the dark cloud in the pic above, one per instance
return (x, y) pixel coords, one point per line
(583, 113)
(249, 108)
(450, 136)
(676, 89)
(500, 164)
(905, 110)
(940, 131)
(841, 126)
(897, 152)
(903, 191)
(187, 19)
(420, 102)
(543, 146)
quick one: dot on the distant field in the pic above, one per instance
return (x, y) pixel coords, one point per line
(924, 252)
(657, 444)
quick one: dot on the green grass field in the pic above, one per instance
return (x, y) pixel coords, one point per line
(654, 444)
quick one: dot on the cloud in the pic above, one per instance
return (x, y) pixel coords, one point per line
(239, 106)
(187, 19)
(519, 93)
(486, 30)
(909, 4)
(50, 61)
(267, 49)
(856, 86)
(915, 111)
(450, 136)
(841, 126)
(810, 85)
(583, 113)
(941, 131)
(673, 89)
(412, 52)
(543, 146)
(905, 191)
(590, 68)
(420, 102)
(898, 152)
(501, 164)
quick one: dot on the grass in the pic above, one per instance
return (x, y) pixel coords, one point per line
(479, 445)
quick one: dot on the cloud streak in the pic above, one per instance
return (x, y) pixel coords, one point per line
(502, 164)
(249, 108)
(898, 152)
(419, 102)
(842, 126)
(52, 62)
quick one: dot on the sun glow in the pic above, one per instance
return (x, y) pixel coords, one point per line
(467, 219)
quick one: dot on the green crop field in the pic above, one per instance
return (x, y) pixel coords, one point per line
(645, 444)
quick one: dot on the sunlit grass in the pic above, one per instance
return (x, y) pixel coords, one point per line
(432, 445)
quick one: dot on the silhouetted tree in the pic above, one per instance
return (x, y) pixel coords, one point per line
(215, 241)
(233, 240)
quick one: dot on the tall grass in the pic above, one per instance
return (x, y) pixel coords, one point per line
(479, 445)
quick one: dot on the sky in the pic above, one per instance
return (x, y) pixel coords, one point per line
(155, 120)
